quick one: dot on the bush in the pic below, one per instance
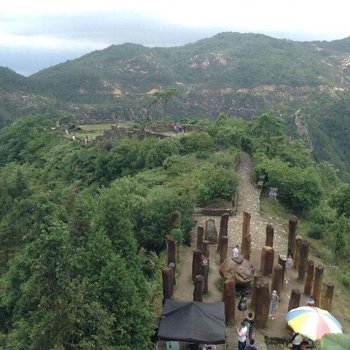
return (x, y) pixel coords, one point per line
(345, 281)
(316, 231)
(215, 184)
(326, 255)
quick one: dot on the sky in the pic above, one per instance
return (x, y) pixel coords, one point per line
(36, 34)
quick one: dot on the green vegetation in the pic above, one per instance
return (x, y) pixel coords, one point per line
(82, 229)
(83, 225)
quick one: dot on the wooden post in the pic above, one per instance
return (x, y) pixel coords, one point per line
(200, 235)
(294, 300)
(267, 257)
(256, 279)
(262, 304)
(204, 271)
(292, 230)
(269, 235)
(309, 277)
(296, 257)
(198, 288)
(276, 279)
(196, 263)
(246, 236)
(282, 261)
(223, 230)
(327, 296)
(205, 248)
(223, 252)
(171, 249)
(304, 257)
(316, 291)
(229, 300)
(168, 283)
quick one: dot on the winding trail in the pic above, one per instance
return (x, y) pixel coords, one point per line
(248, 201)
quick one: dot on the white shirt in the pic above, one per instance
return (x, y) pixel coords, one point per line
(242, 334)
(235, 252)
(297, 340)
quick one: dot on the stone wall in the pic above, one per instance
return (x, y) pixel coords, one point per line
(170, 128)
(117, 133)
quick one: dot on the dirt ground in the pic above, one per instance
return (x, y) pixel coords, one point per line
(248, 201)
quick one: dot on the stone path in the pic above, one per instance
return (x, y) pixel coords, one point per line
(248, 201)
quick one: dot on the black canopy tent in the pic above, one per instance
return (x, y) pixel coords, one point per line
(192, 322)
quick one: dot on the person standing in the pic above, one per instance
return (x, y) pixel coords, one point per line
(235, 252)
(273, 304)
(289, 263)
(242, 305)
(251, 322)
(242, 336)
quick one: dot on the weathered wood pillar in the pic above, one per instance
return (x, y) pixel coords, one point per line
(282, 261)
(269, 235)
(246, 236)
(211, 233)
(200, 235)
(262, 304)
(205, 248)
(171, 249)
(198, 288)
(292, 230)
(327, 296)
(229, 300)
(294, 300)
(316, 291)
(204, 271)
(223, 230)
(196, 263)
(276, 279)
(168, 283)
(223, 252)
(309, 278)
(267, 257)
(304, 258)
(258, 278)
(296, 258)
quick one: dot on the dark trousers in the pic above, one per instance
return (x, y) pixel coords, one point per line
(241, 346)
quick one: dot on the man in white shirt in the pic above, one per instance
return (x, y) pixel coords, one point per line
(242, 336)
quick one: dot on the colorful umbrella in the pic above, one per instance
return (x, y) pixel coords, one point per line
(312, 322)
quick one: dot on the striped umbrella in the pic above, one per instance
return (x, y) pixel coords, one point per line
(312, 322)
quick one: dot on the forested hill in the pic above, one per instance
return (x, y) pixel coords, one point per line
(236, 74)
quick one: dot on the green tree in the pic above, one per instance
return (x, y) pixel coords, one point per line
(340, 200)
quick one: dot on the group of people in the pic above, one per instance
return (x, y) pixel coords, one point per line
(246, 333)
(178, 128)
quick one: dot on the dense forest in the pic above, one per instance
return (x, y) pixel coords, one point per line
(83, 224)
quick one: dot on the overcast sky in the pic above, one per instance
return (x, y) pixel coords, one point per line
(36, 34)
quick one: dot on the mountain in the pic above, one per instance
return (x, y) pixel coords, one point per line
(237, 74)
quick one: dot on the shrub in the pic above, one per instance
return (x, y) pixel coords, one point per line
(316, 231)
(345, 281)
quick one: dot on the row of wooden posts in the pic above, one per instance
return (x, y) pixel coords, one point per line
(321, 292)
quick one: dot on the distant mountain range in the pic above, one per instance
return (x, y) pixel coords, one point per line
(306, 83)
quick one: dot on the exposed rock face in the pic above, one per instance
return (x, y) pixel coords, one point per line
(240, 269)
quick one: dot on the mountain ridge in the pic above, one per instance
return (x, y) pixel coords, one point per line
(241, 75)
